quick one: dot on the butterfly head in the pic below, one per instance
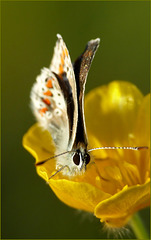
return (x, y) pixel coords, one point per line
(73, 162)
(81, 158)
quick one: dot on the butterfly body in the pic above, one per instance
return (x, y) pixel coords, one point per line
(57, 100)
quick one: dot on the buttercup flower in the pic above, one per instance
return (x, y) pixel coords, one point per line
(116, 183)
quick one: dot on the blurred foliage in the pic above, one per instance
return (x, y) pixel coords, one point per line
(29, 207)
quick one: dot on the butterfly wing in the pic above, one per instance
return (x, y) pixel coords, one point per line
(81, 69)
(62, 66)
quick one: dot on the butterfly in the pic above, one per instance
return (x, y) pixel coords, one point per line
(57, 101)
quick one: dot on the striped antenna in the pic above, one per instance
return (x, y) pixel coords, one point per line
(114, 148)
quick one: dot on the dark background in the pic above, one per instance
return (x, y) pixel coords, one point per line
(29, 207)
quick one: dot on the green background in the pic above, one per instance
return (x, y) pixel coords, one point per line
(29, 207)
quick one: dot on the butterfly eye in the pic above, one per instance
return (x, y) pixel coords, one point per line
(87, 158)
(76, 158)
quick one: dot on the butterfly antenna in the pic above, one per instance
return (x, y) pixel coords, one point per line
(115, 148)
(39, 163)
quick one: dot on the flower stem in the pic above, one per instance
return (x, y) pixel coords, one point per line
(138, 227)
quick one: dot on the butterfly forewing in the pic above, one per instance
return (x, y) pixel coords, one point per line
(62, 66)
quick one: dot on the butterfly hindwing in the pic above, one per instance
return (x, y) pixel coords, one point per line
(50, 108)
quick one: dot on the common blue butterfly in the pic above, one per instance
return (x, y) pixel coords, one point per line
(57, 100)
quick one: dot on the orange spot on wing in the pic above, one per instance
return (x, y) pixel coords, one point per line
(62, 63)
(48, 93)
(66, 52)
(46, 101)
(49, 83)
(43, 110)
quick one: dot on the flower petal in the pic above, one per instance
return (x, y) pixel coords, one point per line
(116, 210)
(82, 195)
(39, 143)
(142, 128)
(111, 113)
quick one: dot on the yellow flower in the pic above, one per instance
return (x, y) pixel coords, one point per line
(117, 185)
